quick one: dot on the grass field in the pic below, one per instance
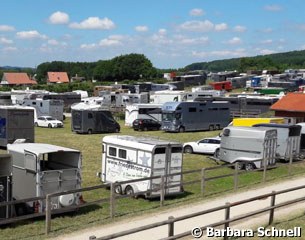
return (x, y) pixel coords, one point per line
(90, 146)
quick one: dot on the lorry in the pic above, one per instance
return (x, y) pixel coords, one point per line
(46, 107)
(16, 123)
(93, 121)
(195, 116)
(249, 122)
(288, 139)
(249, 147)
(5, 185)
(142, 111)
(40, 169)
(127, 158)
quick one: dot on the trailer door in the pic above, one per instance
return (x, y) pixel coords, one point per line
(159, 167)
(174, 167)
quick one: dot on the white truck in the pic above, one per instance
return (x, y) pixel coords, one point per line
(127, 158)
(40, 169)
(249, 147)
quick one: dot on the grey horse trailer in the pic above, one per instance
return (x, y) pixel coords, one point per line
(5, 184)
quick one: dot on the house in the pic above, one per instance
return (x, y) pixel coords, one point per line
(16, 79)
(57, 77)
(291, 106)
(77, 78)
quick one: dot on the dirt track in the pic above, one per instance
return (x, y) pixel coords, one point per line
(187, 225)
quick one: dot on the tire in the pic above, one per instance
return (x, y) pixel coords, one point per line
(217, 153)
(240, 165)
(117, 130)
(249, 166)
(211, 127)
(129, 190)
(50, 125)
(145, 129)
(118, 189)
(36, 124)
(217, 127)
(89, 131)
(188, 149)
(181, 129)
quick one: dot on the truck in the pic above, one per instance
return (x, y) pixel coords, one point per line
(16, 123)
(143, 111)
(248, 146)
(249, 122)
(46, 107)
(127, 158)
(288, 140)
(40, 169)
(195, 116)
(6, 174)
(93, 121)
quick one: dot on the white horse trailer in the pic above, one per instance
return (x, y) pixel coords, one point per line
(127, 158)
(249, 147)
(143, 111)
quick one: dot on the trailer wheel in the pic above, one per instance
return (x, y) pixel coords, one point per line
(36, 124)
(129, 190)
(211, 127)
(145, 128)
(20, 209)
(89, 131)
(217, 127)
(188, 149)
(240, 165)
(117, 130)
(50, 125)
(249, 166)
(181, 129)
(118, 189)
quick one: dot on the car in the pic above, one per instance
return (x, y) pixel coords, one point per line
(145, 124)
(206, 146)
(48, 121)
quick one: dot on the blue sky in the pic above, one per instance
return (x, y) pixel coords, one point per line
(170, 33)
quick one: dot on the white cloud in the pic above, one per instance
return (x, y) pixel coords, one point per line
(198, 26)
(106, 42)
(190, 41)
(162, 31)
(234, 41)
(221, 27)
(6, 28)
(53, 42)
(267, 41)
(59, 18)
(266, 51)
(4, 40)
(196, 12)
(239, 28)
(88, 46)
(9, 49)
(30, 35)
(141, 28)
(94, 23)
(273, 8)
(224, 53)
(267, 30)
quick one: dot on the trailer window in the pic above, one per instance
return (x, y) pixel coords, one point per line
(122, 153)
(159, 150)
(177, 150)
(90, 115)
(112, 151)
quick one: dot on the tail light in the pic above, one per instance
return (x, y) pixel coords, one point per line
(36, 206)
(140, 122)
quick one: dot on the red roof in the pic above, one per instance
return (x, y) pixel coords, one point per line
(58, 77)
(17, 79)
(292, 102)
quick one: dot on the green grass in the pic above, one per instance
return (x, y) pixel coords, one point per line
(90, 146)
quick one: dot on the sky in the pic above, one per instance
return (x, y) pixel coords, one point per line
(170, 33)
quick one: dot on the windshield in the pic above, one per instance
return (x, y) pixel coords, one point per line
(168, 116)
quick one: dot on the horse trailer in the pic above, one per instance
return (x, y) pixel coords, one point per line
(40, 169)
(127, 158)
(5, 185)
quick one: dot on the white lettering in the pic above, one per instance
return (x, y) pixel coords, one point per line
(210, 232)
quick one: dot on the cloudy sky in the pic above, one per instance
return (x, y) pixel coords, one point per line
(171, 33)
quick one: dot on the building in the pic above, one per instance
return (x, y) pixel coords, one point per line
(57, 77)
(290, 106)
(17, 79)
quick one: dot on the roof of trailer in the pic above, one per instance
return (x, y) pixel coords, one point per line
(38, 148)
(142, 143)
